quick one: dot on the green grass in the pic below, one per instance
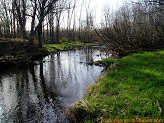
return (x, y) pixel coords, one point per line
(132, 89)
(66, 46)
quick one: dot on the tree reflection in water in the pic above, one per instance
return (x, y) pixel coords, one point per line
(39, 93)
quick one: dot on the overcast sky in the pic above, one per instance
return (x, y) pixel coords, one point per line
(96, 6)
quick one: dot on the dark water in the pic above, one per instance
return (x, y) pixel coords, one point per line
(40, 93)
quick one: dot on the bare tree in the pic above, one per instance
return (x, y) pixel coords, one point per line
(51, 27)
(82, 3)
(5, 19)
(61, 7)
(21, 8)
(135, 27)
(40, 10)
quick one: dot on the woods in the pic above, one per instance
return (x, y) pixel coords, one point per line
(134, 27)
(51, 51)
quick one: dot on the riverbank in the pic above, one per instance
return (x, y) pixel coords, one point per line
(133, 88)
(18, 52)
(15, 53)
(67, 46)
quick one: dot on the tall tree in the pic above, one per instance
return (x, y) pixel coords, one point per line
(60, 7)
(40, 9)
(5, 18)
(21, 8)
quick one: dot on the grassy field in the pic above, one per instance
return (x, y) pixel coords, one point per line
(132, 88)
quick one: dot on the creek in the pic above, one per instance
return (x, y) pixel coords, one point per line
(40, 93)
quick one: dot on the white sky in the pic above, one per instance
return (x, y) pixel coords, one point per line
(96, 7)
(98, 4)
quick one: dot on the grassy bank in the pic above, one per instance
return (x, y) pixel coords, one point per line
(17, 51)
(66, 46)
(133, 87)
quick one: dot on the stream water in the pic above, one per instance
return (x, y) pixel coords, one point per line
(40, 93)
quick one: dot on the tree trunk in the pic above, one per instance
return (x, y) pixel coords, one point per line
(57, 33)
(40, 35)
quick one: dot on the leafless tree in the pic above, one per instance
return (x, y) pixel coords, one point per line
(135, 27)
(39, 11)
(58, 13)
(71, 17)
(21, 8)
(82, 4)
(5, 19)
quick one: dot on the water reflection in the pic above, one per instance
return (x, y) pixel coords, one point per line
(39, 93)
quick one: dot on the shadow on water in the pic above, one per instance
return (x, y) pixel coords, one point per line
(40, 93)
